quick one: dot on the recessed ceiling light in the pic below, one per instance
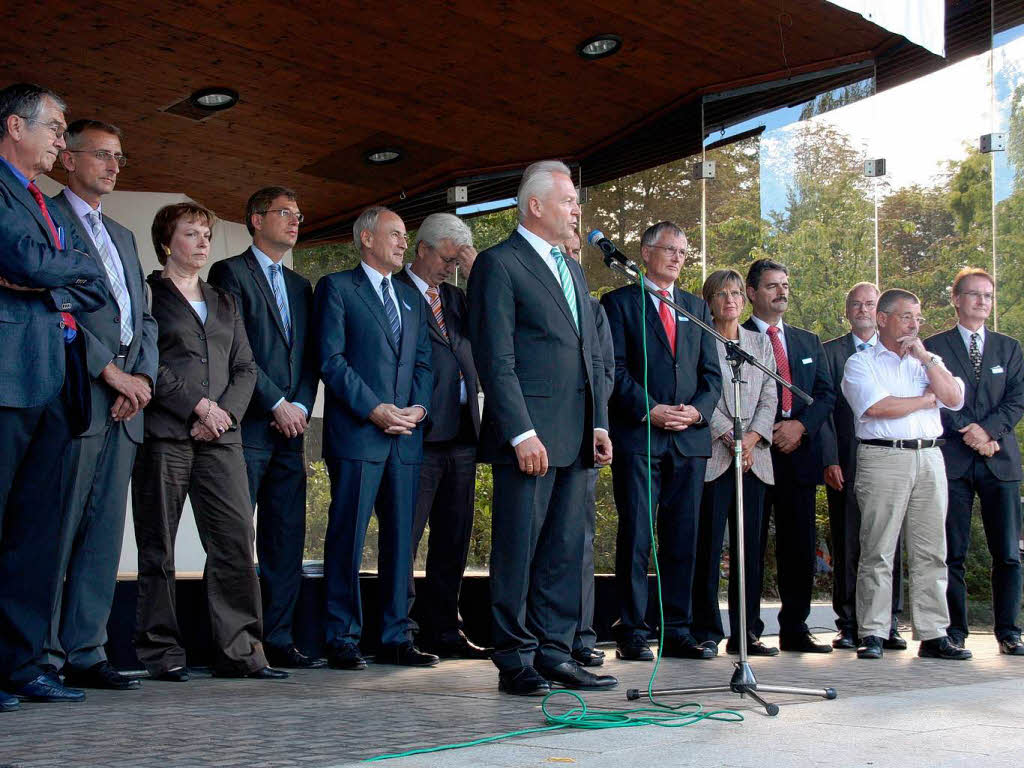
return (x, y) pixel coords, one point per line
(214, 99)
(383, 156)
(599, 46)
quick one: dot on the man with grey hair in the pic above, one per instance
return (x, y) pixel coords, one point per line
(535, 347)
(895, 390)
(373, 354)
(47, 281)
(448, 476)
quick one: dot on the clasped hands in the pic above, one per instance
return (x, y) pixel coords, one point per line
(750, 439)
(532, 456)
(976, 438)
(674, 418)
(213, 422)
(288, 419)
(397, 421)
(134, 391)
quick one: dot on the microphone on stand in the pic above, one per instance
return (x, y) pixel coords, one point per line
(613, 257)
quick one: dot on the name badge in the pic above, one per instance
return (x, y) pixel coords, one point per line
(808, 360)
(997, 369)
(682, 319)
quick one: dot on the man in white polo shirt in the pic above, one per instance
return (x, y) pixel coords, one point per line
(895, 390)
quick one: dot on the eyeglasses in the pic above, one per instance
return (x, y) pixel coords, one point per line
(671, 250)
(723, 295)
(862, 305)
(58, 129)
(978, 295)
(102, 155)
(284, 213)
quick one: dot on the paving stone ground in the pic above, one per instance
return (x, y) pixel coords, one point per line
(323, 718)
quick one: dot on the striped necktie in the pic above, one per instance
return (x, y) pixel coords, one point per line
(124, 304)
(567, 286)
(782, 364)
(277, 286)
(391, 311)
(70, 326)
(434, 297)
(974, 352)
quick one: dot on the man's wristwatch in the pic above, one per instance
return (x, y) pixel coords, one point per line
(932, 362)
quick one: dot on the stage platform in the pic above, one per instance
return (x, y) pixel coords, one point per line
(899, 711)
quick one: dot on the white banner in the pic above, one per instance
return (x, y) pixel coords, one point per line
(920, 21)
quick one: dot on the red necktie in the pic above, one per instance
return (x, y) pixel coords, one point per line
(33, 190)
(668, 322)
(782, 363)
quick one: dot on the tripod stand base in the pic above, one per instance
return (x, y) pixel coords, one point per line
(744, 683)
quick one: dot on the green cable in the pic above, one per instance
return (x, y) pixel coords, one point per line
(582, 717)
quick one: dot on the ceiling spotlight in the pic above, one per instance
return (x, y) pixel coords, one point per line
(214, 99)
(599, 46)
(383, 156)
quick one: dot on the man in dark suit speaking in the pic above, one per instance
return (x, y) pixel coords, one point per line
(982, 455)
(534, 342)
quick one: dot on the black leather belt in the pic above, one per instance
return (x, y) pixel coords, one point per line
(123, 351)
(914, 444)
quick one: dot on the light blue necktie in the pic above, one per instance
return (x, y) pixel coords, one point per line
(124, 304)
(277, 286)
(862, 346)
(567, 287)
(391, 311)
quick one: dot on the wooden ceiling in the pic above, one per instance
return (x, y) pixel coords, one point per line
(465, 88)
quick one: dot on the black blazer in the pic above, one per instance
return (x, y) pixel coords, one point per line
(691, 377)
(838, 435)
(810, 371)
(102, 327)
(32, 363)
(607, 347)
(282, 370)
(447, 358)
(536, 368)
(197, 361)
(996, 402)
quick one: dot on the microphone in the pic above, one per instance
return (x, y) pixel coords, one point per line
(597, 239)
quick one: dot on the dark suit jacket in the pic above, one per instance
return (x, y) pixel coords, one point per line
(32, 363)
(838, 435)
(197, 361)
(996, 402)
(536, 368)
(361, 367)
(282, 370)
(809, 369)
(447, 358)
(607, 348)
(691, 377)
(102, 326)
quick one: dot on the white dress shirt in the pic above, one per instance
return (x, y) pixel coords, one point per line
(265, 263)
(376, 278)
(877, 373)
(965, 334)
(857, 341)
(422, 285)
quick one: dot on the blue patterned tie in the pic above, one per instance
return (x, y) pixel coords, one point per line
(391, 311)
(124, 304)
(567, 287)
(277, 286)
(862, 346)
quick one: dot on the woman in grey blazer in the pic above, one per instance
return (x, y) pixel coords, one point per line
(193, 446)
(724, 293)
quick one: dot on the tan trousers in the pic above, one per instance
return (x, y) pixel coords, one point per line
(896, 489)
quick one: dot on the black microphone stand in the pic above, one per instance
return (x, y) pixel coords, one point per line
(743, 681)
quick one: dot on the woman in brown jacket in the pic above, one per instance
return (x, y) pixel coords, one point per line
(193, 447)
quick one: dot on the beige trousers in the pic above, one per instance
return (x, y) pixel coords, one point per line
(902, 489)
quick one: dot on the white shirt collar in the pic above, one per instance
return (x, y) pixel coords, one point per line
(965, 334)
(418, 281)
(762, 326)
(265, 261)
(376, 278)
(79, 206)
(538, 243)
(873, 341)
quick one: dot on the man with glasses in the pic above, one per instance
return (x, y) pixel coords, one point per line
(982, 455)
(840, 474)
(121, 355)
(447, 485)
(895, 390)
(47, 281)
(276, 307)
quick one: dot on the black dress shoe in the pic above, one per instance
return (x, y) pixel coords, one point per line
(8, 703)
(686, 648)
(346, 657)
(461, 648)
(291, 658)
(804, 642)
(711, 645)
(957, 639)
(754, 648)
(634, 649)
(101, 675)
(405, 655)
(267, 673)
(943, 648)
(569, 674)
(845, 640)
(1011, 645)
(870, 647)
(47, 687)
(588, 657)
(525, 681)
(895, 641)
(173, 675)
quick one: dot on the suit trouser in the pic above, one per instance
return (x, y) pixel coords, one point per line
(586, 637)
(906, 489)
(90, 548)
(38, 461)
(213, 477)
(277, 486)
(677, 482)
(716, 510)
(446, 499)
(358, 488)
(844, 523)
(792, 504)
(1000, 515)
(536, 547)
